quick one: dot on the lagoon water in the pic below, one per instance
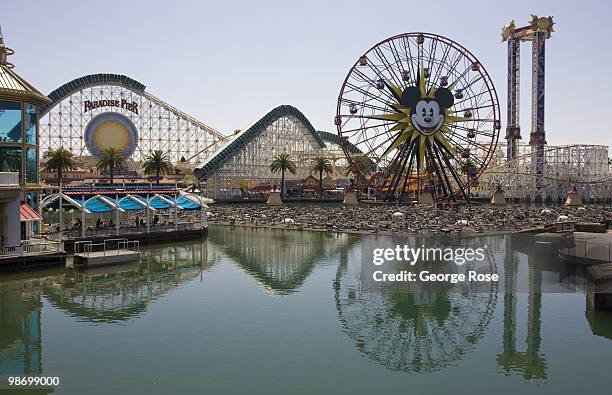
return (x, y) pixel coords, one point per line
(277, 312)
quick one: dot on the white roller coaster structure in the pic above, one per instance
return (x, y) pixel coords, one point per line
(584, 166)
(160, 126)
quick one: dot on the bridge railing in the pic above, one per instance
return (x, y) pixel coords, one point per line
(561, 226)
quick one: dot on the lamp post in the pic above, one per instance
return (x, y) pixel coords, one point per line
(83, 216)
(175, 207)
(117, 210)
(203, 213)
(61, 216)
(147, 207)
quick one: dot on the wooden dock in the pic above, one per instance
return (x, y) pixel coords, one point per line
(108, 252)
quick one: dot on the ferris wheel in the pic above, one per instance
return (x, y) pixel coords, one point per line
(423, 114)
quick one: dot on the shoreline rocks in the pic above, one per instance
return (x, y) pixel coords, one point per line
(417, 219)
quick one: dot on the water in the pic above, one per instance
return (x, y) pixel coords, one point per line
(270, 311)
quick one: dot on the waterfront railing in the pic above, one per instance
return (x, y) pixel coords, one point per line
(107, 247)
(596, 251)
(129, 230)
(32, 247)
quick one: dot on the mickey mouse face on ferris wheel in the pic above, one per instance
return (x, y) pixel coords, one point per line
(426, 113)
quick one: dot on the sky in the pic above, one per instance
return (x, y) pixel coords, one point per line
(229, 62)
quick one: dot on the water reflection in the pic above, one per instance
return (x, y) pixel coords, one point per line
(413, 327)
(409, 327)
(21, 328)
(600, 321)
(109, 294)
(280, 260)
(531, 363)
(417, 327)
(21, 340)
(113, 294)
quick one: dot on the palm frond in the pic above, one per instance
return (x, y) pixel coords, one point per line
(59, 159)
(321, 164)
(283, 162)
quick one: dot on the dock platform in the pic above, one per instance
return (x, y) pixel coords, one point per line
(588, 248)
(32, 253)
(108, 252)
(156, 236)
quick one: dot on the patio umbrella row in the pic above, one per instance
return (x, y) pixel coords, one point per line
(103, 204)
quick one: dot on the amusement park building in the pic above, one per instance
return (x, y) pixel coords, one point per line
(230, 165)
(19, 154)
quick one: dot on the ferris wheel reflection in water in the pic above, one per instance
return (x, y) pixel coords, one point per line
(414, 329)
(413, 326)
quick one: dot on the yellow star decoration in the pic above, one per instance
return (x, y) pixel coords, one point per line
(403, 123)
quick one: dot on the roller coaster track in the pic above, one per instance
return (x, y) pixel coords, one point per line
(92, 80)
(600, 181)
(525, 159)
(583, 166)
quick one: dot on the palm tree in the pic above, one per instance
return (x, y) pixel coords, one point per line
(283, 163)
(321, 165)
(111, 159)
(158, 163)
(59, 160)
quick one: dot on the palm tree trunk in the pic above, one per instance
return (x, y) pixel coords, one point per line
(321, 184)
(60, 176)
(283, 183)
(112, 173)
(157, 175)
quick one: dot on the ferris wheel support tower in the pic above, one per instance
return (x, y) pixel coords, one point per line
(537, 32)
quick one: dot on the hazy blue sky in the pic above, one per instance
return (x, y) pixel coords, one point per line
(229, 62)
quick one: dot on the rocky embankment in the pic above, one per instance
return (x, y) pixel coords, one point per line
(414, 219)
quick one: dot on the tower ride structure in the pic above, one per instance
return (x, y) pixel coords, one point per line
(536, 32)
